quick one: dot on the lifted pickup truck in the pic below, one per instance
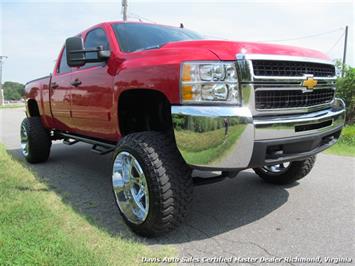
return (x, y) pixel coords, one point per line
(165, 102)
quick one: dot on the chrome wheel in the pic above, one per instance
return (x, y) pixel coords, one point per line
(276, 169)
(130, 187)
(24, 141)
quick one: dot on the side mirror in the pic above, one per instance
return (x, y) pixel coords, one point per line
(76, 53)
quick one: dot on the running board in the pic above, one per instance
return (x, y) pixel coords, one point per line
(69, 141)
(199, 181)
(101, 150)
(99, 147)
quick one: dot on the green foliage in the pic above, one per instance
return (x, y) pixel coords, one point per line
(346, 143)
(341, 150)
(348, 135)
(13, 90)
(346, 91)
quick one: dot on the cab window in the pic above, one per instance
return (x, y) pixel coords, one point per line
(94, 39)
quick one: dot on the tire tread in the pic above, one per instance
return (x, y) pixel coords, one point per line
(297, 170)
(38, 140)
(171, 181)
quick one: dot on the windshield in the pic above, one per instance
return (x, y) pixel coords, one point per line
(135, 36)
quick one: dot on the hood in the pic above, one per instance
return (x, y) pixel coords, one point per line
(227, 50)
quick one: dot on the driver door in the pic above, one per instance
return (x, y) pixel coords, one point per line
(60, 98)
(92, 93)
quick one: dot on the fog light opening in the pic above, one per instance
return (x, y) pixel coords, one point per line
(274, 151)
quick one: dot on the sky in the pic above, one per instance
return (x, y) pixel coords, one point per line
(32, 33)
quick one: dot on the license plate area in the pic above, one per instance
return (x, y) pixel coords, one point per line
(307, 127)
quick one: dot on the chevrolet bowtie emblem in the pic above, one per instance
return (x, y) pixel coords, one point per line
(310, 83)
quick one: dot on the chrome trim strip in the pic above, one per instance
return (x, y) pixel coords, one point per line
(292, 78)
(208, 82)
(284, 127)
(321, 83)
(304, 119)
(289, 111)
(296, 109)
(303, 89)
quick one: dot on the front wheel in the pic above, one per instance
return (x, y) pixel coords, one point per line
(152, 184)
(286, 173)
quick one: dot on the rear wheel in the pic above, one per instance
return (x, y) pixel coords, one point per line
(152, 184)
(35, 140)
(286, 173)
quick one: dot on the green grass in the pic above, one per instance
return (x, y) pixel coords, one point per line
(203, 148)
(346, 143)
(37, 228)
(9, 106)
(341, 149)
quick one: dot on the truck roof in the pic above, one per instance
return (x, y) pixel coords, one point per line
(122, 22)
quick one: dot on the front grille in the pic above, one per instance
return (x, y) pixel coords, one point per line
(279, 99)
(291, 68)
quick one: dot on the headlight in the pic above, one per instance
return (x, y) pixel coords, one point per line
(203, 82)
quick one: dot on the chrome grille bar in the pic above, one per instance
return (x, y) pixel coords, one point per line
(300, 101)
(278, 99)
(291, 68)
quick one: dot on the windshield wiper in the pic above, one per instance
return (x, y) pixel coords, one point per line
(152, 47)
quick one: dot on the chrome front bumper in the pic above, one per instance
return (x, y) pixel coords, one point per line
(223, 138)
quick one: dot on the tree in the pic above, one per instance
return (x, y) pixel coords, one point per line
(346, 91)
(13, 90)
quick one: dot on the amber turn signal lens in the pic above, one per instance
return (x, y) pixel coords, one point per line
(186, 93)
(186, 72)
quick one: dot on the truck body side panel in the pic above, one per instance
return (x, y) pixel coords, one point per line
(91, 103)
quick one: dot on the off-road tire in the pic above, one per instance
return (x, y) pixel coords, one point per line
(295, 171)
(168, 177)
(39, 141)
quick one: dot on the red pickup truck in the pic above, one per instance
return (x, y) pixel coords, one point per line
(166, 101)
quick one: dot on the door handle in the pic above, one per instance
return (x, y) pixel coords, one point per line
(54, 85)
(76, 83)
